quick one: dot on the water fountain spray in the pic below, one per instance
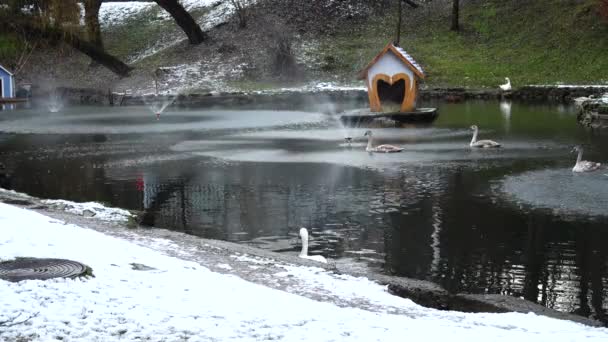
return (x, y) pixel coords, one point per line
(158, 103)
(55, 103)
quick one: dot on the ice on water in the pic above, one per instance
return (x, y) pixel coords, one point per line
(560, 190)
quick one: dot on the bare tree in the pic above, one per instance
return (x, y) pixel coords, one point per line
(240, 7)
(281, 51)
(12, 321)
(184, 20)
(32, 28)
(53, 21)
(27, 49)
(455, 15)
(91, 20)
(604, 9)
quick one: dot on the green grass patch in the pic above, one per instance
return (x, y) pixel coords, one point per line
(536, 42)
(137, 34)
(531, 42)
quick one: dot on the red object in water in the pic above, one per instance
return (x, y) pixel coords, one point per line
(157, 116)
(139, 183)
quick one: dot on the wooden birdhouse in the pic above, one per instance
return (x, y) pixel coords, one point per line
(7, 84)
(392, 79)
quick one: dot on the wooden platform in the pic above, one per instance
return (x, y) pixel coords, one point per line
(12, 100)
(421, 115)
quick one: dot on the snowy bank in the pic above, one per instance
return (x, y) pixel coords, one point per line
(180, 300)
(593, 111)
(91, 209)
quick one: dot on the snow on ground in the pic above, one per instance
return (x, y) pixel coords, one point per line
(194, 4)
(218, 12)
(212, 74)
(91, 209)
(116, 13)
(180, 300)
(560, 85)
(316, 87)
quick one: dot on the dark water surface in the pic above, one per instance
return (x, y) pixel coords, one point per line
(514, 220)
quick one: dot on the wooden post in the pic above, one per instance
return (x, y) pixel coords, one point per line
(110, 97)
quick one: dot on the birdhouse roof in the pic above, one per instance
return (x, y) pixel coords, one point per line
(401, 54)
(5, 69)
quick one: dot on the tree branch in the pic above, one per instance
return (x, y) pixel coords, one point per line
(25, 57)
(411, 3)
(13, 320)
(184, 20)
(33, 29)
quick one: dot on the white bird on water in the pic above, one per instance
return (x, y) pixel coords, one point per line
(583, 165)
(380, 148)
(481, 143)
(304, 252)
(506, 86)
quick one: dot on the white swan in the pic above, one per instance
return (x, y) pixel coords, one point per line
(304, 252)
(506, 86)
(481, 143)
(380, 148)
(583, 165)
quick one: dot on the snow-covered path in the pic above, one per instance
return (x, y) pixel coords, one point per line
(183, 301)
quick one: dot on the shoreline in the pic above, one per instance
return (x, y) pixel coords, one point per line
(290, 98)
(231, 258)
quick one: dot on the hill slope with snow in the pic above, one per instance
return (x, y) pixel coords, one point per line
(532, 43)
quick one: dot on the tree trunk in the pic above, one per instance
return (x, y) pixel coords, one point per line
(455, 15)
(604, 9)
(239, 7)
(184, 20)
(411, 3)
(91, 19)
(57, 35)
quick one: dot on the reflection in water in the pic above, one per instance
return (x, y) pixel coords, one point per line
(505, 111)
(435, 242)
(8, 106)
(513, 221)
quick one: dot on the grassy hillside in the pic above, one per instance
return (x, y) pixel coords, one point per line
(532, 42)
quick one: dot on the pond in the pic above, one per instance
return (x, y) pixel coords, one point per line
(513, 220)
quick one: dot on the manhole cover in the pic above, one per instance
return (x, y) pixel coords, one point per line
(42, 269)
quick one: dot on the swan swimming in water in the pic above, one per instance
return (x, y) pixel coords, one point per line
(379, 148)
(481, 143)
(304, 252)
(583, 165)
(506, 86)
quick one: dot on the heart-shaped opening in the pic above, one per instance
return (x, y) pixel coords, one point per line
(391, 95)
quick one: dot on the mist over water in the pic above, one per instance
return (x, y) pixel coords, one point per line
(513, 220)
